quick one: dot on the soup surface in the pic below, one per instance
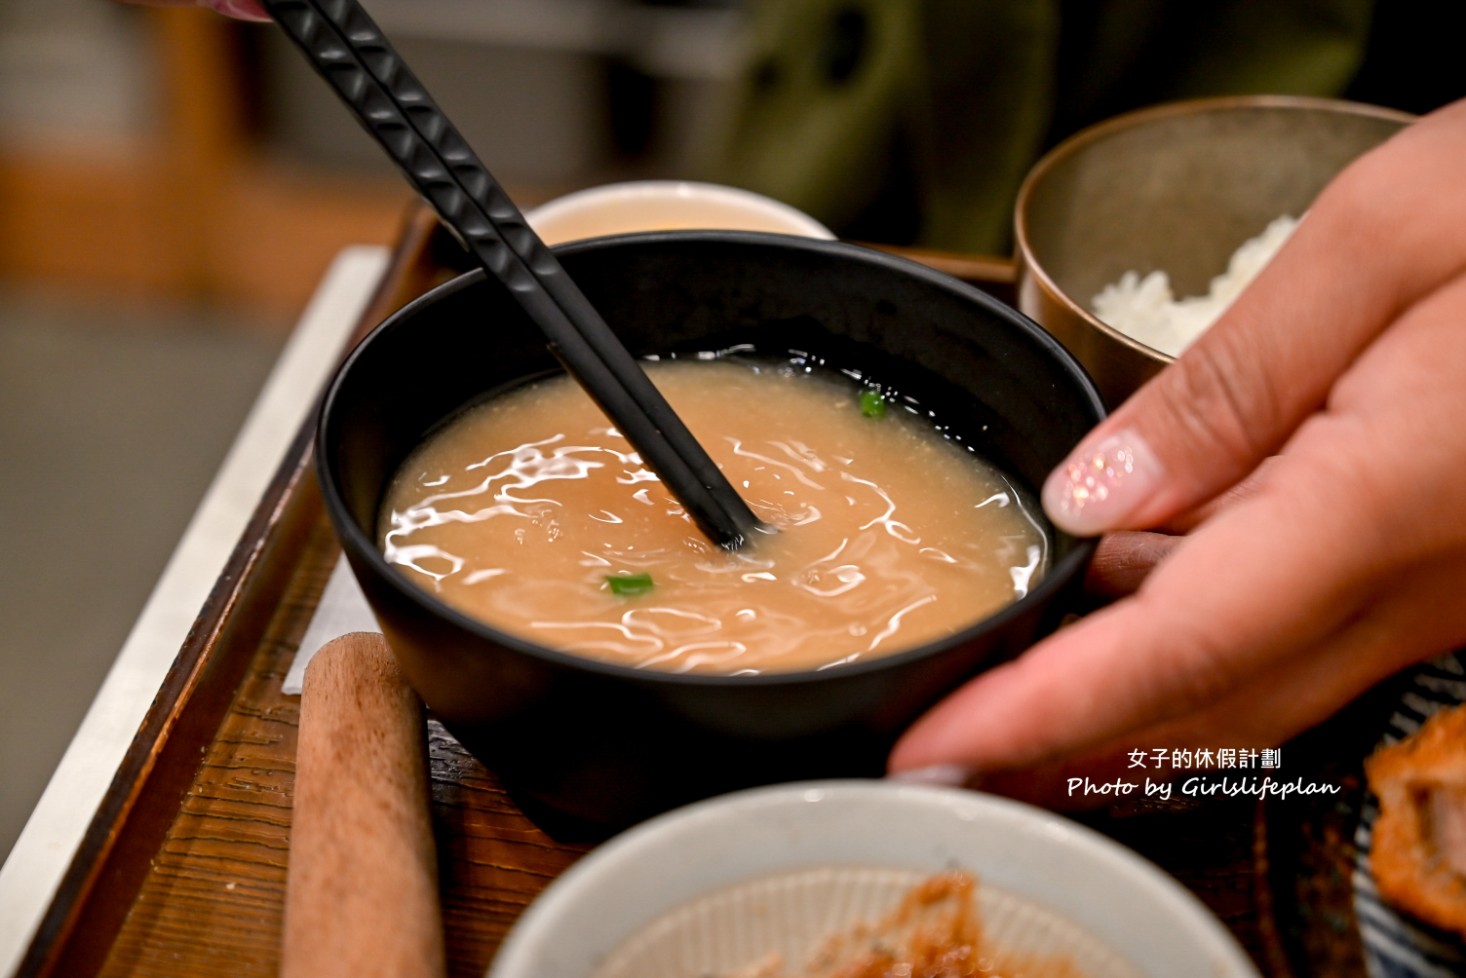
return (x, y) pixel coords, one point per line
(533, 514)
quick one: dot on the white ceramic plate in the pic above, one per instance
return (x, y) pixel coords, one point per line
(725, 881)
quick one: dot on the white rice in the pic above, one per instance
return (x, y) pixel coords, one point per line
(1145, 308)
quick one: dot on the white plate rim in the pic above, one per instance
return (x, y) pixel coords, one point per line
(652, 867)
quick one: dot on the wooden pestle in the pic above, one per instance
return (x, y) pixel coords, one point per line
(361, 898)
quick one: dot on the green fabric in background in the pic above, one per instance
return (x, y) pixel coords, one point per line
(914, 121)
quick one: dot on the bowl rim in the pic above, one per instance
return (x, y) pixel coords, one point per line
(788, 817)
(1135, 118)
(632, 191)
(360, 546)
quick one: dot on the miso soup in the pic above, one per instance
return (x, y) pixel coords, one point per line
(533, 514)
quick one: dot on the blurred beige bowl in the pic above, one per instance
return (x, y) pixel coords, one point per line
(1176, 187)
(666, 205)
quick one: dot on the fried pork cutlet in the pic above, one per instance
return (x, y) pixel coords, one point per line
(1419, 846)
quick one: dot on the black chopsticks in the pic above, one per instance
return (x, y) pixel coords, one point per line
(348, 50)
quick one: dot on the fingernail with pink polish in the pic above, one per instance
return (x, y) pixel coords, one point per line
(239, 9)
(1099, 485)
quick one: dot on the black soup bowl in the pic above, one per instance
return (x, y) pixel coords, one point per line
(599, 745)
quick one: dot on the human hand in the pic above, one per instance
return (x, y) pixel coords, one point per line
(238, 9)
(1344, 367)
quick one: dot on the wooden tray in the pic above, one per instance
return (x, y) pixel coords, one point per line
(182, 871)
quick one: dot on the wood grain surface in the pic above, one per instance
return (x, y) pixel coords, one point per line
(212, 902)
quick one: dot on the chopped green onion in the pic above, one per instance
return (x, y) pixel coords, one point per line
(872, 403)
(628, 584)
